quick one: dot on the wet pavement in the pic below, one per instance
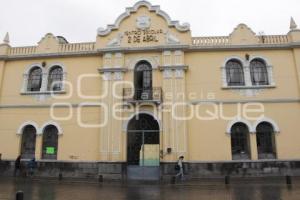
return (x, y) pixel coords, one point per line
(206, 190)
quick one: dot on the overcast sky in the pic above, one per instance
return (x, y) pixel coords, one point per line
(27, 21)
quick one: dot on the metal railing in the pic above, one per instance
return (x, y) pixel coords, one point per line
(142, 95)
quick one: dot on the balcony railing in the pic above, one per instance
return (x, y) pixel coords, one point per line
(132, 95)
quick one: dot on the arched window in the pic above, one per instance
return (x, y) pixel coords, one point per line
(50, 142)
(143, 81)
(265, 139)
(234, 73)
(55, 79)
(34, 79)
(259, 73)
(28, 142)
(240, 141)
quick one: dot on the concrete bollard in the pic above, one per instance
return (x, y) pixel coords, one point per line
(227, 180)
(20, 195)
(100, 178)
(60, 176)
(288, 180)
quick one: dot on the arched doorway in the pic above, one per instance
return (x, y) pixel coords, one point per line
(143, 81)
(143, 147)
(28, 142)
(50, 143)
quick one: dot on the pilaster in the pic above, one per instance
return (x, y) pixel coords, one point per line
(174, 124)
(111, 134)
(2, 71)
(253, 146)
(39, 147)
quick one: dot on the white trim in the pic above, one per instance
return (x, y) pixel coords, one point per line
(56, 64)
(268, 120)
(269, 67)
(266, 60)
(223, 69)
(239, 120)
(227, 59)
(28, 123)
(182, 28)
(125, 123)
(151, 60)
(29, 67)
(247, 74)
(26, 75)
(60, 131)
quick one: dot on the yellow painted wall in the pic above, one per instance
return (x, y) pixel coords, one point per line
(197, 140)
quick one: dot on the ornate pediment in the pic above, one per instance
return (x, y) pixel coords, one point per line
(143, 25)
(144, 20)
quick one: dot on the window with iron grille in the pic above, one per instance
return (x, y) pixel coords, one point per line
(234, 73)
(240, 139)
(259, 73)
(50, 143)
(265, 138)
(143, 81)
(28, 142)
(55, 79)
(35, 79)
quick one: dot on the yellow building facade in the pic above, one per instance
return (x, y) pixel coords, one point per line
(146, 92)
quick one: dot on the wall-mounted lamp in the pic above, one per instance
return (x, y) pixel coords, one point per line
(247, 56)
(169, 150)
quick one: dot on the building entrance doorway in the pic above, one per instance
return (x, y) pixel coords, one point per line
(143, 148)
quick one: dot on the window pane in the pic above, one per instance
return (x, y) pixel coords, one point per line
(259, 74)
(265, 141)
(234, 73)
(28, 142)
(55, 79)
(240, 141)
(50, 142)
(35, 79)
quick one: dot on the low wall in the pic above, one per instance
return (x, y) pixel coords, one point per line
(118, 171)
(235, 169)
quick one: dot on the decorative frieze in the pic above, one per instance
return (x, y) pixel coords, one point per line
(107, 60)
(112, 73)
(167, 73)
(179, 73)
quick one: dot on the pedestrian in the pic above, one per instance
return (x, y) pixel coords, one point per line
(17, 166)
(179, 167)
(31, 166)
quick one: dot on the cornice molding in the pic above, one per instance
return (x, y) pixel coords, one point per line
(180, 27)
(104, 70)
(173, 67)
(75, 105)
(220, 101)
(187, 48)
